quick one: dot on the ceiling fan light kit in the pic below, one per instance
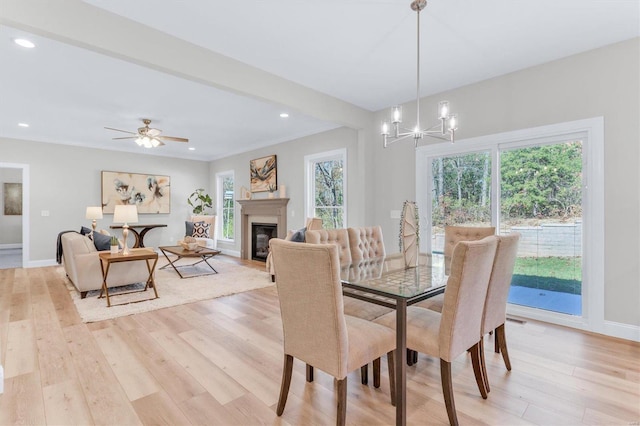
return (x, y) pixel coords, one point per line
(448, 123)
(148, 137)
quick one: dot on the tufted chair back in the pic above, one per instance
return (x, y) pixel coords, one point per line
(454, 234)
(338, 237)
(366, 243)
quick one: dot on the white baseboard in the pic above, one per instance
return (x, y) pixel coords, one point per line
(623, 331)
(233, 253)
(11, 246)
(41, 263)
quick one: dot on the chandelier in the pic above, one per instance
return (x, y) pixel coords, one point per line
(448, 123)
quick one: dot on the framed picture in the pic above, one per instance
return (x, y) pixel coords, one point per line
(13, 199)
(151, 193)
(264, 176)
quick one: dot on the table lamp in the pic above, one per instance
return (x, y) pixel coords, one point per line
(93, 213)
(125, 214)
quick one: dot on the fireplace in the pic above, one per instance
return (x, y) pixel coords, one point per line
(273, 210)
(261, 233)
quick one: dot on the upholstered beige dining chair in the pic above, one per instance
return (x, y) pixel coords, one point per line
(454, 234)
(495, 306)
(316, 330)
(459, 327)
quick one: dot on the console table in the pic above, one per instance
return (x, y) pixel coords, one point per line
(139, 235)
(106, 259)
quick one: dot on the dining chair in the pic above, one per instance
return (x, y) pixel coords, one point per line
(458, 328)
(316, 330)
(495, 305)
(454, 234)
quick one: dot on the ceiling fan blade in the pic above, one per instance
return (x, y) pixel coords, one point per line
(118, 130)
(172, 138)
(126, 137)
(154, 132)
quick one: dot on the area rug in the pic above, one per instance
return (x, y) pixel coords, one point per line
(172, 290)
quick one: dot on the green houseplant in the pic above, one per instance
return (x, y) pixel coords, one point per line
(198, 200)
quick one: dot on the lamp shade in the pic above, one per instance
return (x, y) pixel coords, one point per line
(125, 214)
(94, 213)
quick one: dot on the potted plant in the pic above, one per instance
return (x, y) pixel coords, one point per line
(271, 188)
(114, 244)
(198, 200)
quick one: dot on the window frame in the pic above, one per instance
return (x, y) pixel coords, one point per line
(220, 205)
(591, 131)
(309, 180)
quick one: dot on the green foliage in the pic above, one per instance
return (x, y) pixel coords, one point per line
(114, 240)
(329, 197)
(228, 209)
(198, 200)
(563, 274)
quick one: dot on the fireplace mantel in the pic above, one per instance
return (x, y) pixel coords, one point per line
(276, 207)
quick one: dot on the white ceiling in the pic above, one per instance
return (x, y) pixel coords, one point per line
(361, 52)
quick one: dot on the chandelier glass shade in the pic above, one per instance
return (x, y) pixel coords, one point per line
(147, 142)
(447, 123)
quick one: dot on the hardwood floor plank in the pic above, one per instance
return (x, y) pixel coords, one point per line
(107, 401)
(159, 409)
(132, 374)
(21, 403)
(65, 404)
(214, 379)
(21, 355)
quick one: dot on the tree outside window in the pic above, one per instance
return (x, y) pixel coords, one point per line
(326, 182)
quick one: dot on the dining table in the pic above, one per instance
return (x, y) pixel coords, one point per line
(386, 281)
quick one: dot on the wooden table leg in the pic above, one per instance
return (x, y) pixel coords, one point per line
(105, 288)
(150, 281)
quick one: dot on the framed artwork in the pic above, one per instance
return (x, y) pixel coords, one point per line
(13, 199)
(264, 176)
(151, 193)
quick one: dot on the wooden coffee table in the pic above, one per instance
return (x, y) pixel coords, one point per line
(106, 259)
(203, 253)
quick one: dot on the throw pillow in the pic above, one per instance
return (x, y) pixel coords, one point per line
(85, 231)
(201, 230)
(189, 228)
(101, 241)
(299, 236)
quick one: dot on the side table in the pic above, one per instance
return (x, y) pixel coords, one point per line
(148, 255)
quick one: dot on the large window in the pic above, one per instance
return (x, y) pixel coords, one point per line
(533, 182)
(226, 205)
(325, 182)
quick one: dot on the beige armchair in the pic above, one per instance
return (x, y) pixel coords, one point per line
(458, 328)
(82, 265)
(212, 241)
(316, 330)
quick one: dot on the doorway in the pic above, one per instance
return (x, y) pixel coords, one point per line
(14, 214)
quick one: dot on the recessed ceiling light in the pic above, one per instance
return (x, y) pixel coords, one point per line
(24, 43)
(191, 148)
(23, 125)
(284, 115)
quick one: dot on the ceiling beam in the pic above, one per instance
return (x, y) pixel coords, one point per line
(80, 24)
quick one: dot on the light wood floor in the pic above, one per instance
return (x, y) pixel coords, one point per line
(219, 362)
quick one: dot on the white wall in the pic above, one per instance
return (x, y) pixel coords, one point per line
(603, 82)
(290, 163)
(10, 225)
(64, 180)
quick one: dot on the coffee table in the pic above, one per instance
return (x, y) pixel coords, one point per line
(203, 253)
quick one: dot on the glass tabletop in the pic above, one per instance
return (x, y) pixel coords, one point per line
(389, 277)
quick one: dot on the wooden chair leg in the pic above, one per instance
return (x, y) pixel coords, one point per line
(501, 339)
(364, 374)
(392, 376)
(415, 357)
(286, 381)
(483, 364)
(309, 373)
(447, 390)
(342, 402)
(376, 373)
(496, 345)
(477, 369)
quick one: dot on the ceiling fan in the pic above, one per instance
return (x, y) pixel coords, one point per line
(148, 136)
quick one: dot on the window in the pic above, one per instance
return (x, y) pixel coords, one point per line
(226, 205)
(532, 182)
(325, 182)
